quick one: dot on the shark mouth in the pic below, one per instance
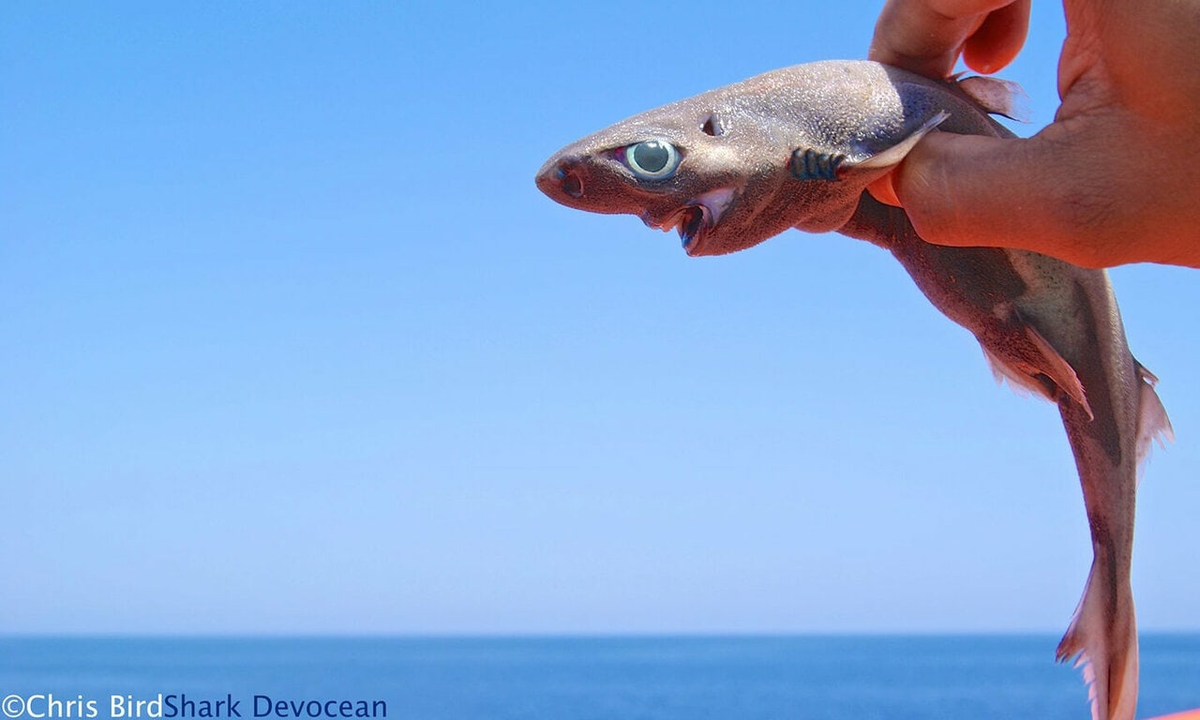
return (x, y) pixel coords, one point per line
(689, 221)
(693, 219)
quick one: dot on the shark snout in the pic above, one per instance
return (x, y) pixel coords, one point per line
(585, 182)
(561, 180)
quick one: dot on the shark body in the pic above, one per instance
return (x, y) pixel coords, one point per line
(797, 148)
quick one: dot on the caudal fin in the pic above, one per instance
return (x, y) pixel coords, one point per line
(1102, 639)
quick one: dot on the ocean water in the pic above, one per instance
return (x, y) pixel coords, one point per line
(625, 678)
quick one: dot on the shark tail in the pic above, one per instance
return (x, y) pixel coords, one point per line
(1102, 639)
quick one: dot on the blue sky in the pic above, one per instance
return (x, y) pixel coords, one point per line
(291, 343)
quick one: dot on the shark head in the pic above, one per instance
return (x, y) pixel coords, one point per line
(730, 168)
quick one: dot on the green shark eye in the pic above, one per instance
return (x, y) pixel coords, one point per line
(652, 159)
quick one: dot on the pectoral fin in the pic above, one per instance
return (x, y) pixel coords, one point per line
(892, 156)
(813, 164)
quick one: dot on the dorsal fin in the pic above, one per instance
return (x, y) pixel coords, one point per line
(1153, 423)
(999, 97)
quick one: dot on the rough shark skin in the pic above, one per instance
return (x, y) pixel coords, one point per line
(797, 148)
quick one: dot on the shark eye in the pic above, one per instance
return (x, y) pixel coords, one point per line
(652, 159)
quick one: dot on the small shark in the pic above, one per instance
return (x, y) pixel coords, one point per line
(798, 148)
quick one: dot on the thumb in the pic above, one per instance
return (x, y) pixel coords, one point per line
(969, 190)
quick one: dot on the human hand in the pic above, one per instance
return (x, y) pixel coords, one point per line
(1114, 179)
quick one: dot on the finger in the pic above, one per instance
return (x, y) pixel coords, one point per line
(998, 39)
(926, 36)
(966, 190)
(884, 191)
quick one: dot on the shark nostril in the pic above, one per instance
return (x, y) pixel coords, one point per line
(571, 184)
